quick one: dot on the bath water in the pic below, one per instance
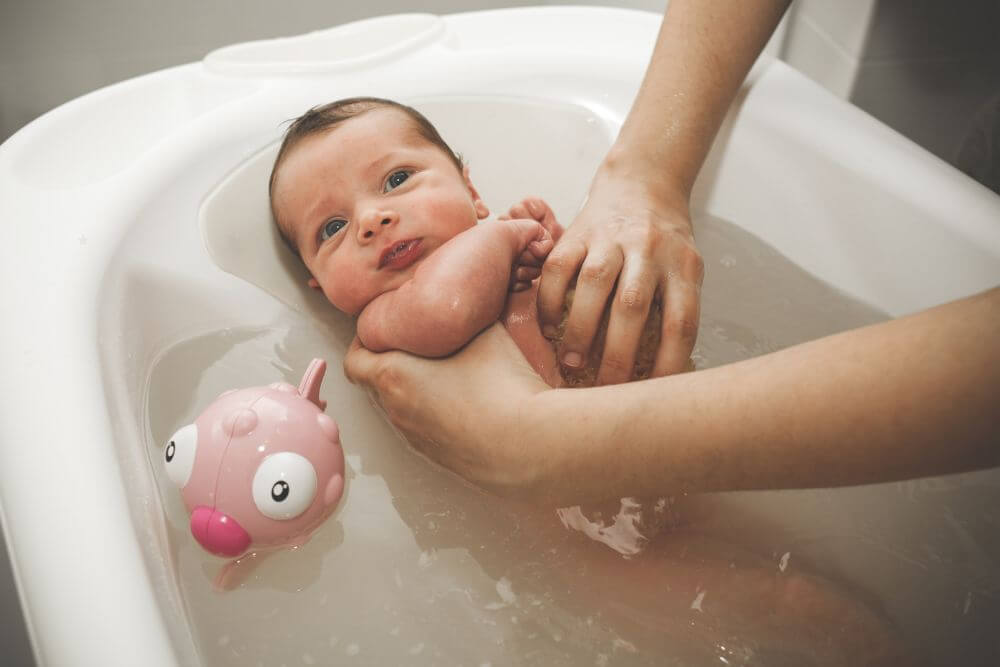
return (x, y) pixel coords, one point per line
(418, 568)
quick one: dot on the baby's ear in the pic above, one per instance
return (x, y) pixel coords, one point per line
(312, 282)
(477, 201)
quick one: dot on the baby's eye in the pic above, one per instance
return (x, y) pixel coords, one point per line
(395, 179)
(331, 228)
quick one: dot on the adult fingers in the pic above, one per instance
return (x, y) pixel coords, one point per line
(681, 312)
(359, 363)
(558, 271)
(385, 377)
(593, 287)
(629, 311)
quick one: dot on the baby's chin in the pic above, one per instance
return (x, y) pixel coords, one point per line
(356, 305)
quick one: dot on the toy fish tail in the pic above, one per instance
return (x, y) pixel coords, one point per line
(311, 381)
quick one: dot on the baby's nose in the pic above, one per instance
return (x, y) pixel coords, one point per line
(374, 222)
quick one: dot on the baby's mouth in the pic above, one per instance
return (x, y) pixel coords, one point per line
(399, 255)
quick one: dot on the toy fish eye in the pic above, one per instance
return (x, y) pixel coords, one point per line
(178, 456)
(284, 486)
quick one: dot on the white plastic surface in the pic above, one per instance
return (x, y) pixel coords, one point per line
(99, 276)
(351, 46)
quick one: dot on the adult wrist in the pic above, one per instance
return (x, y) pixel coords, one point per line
(542, 461)
(663, 184)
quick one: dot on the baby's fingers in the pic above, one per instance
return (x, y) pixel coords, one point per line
(519, 212)
(522, 276)
(541, 249)
(527, 273)
(519, 286)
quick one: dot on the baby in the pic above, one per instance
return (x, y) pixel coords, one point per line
(385, 217)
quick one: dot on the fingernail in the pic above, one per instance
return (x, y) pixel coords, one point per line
(572, 359)
(549, 331)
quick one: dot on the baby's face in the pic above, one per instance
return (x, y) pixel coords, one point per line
(367, 202)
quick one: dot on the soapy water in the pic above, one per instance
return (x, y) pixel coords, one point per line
(418, 568)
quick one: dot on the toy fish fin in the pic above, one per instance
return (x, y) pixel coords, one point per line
(311, 381)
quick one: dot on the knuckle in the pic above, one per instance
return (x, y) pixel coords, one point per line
(690, 262)
(558, 262)
(694, 264)
(387, 381)
(648, 238)
(683, 329)
(634, 300)
(596, 273)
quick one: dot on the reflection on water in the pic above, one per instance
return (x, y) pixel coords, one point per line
(418, 568)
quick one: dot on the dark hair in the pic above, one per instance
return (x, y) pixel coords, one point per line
(323, 118)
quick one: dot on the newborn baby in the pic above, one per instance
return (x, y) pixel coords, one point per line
(385, 217)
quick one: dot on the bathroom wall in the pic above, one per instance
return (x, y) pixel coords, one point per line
(929, 69)
(55, 50)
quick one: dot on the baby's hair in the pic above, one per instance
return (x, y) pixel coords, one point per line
(323, 118)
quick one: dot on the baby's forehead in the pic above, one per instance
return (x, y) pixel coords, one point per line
(354, 140)
(384, 122)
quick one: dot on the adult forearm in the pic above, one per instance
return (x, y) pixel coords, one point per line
(907, 398)
(703, 53)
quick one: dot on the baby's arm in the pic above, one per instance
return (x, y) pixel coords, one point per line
(455, 293)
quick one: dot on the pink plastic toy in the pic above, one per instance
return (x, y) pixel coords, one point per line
(260, 467)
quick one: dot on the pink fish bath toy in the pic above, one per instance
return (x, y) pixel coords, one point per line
(260, 468)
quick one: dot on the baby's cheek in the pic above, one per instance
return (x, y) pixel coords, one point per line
(453, 211)
(343, 298)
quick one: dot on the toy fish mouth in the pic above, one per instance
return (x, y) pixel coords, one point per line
(399, 255)
(218, 533)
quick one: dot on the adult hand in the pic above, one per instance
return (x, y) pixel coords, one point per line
(470, 412)
(631, 244)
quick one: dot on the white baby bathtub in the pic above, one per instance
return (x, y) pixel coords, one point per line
(106, 269)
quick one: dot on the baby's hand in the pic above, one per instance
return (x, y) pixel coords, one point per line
(528, 264)
(536, 209)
